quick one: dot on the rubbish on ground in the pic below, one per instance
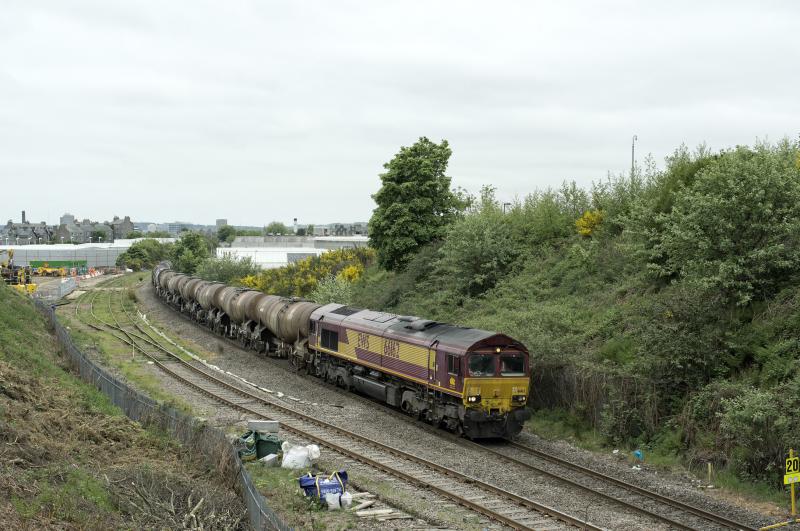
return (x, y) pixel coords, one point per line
(364, 494)
(615, 451)
(318, 486)
(270, 460)
(338, 501)
(263, 426)
(638, 454)
(255, 445)
(374, 512)
(636, 467)
(363, 505)
(299, 456)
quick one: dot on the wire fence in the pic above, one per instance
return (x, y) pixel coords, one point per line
(194, 434)
(57, 289)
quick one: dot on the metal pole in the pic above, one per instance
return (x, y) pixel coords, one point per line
(633, 154)
(794, 511)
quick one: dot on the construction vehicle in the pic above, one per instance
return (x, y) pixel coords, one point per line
(18, 277)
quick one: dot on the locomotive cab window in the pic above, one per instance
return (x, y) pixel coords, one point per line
(512, 366)
(330, 339)
(481, 365)
(312, 326)
(453, 365)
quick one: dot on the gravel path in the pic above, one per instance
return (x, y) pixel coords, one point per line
(312, 396)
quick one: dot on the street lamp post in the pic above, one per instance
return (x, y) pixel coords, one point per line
(506, 205)
(633, 152)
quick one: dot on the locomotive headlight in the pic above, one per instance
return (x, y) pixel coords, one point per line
(474, 399)
(520, 398)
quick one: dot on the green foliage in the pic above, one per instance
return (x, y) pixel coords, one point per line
(190, 251)
(332, 289)
(276, 227)
(414, 203)
(736, 228)
(226, 233)
(479, 249)
(133, 234)
(98, 236)
(144, 254)
(227, 269)
(698, 360)
(300, 278)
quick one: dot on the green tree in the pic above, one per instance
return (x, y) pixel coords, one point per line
(190, 251)
(415, 203)
(226, 233)
(133, 234)
(99, 235)
(227, 269)
(276, 227)
(479, 249)
(144, 254)
(736, 227)
(332, 288)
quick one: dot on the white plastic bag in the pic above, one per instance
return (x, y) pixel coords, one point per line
(338, 501)
(299, 456)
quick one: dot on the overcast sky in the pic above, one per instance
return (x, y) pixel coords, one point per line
(255, 111)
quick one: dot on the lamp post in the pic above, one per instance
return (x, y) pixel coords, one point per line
(62, 240)
(633, 152)
(506, 205)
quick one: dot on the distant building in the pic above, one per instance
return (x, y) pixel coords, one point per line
(121, 227)
(25, 232)
(358, 228)
(66, 219)
(221, 222)
(82, 231)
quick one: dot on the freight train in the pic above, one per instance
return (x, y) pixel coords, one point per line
(471, 382)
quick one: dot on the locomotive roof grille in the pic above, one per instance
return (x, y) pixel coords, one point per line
(346, 310)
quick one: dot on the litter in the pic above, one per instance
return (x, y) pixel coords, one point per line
(255, 445)
(363, 505)
(299, 456)
(269, 460)
(318, 486)
(263, 426)
(338, 501)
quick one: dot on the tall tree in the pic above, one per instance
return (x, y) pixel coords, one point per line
(414, 204)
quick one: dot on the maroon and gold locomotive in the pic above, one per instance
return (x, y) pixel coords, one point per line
(469, 381)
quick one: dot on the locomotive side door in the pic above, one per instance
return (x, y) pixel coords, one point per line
(432, 365)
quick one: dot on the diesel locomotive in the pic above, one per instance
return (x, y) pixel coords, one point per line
(469, 381)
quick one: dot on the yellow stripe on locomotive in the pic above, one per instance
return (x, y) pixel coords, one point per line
(495, 395)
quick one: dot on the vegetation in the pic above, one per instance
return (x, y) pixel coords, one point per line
(71, 460)
(134, 234)
(144, 254)
(301, 278)
(191, 250)
(414, 204)
(228, 268)
(661, 308)
(226, 233)
(276, 227)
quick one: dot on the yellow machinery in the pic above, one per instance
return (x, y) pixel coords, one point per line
(16, 276)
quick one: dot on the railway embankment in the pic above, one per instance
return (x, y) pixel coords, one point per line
(70, 459)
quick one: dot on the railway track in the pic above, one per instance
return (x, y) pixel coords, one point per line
(675, 514)
(495, 503)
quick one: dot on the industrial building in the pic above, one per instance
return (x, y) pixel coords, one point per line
(85, 255)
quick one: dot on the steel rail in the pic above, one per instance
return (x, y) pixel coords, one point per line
(467, 480)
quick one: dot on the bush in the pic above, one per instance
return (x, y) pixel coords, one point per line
(736, 228)
(300, 278)
(227, 269)
(144, 254)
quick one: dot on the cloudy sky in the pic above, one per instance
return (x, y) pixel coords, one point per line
(262, 110)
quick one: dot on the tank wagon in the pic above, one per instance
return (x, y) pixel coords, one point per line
(469, 381)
